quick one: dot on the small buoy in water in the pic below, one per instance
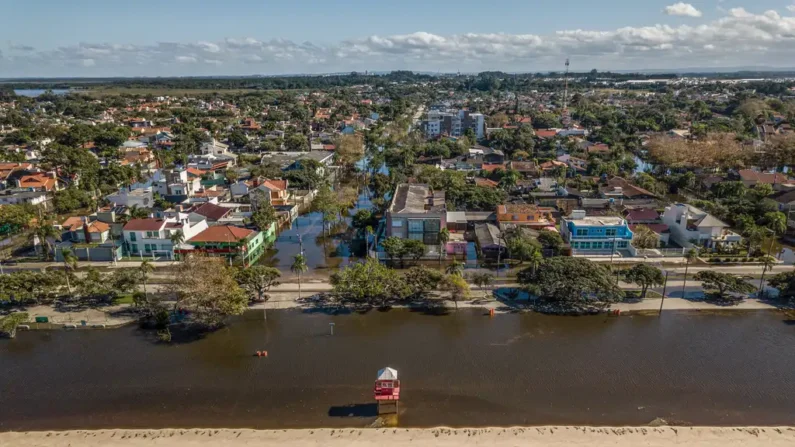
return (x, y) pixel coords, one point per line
(264, 353)
(491, 312)
(259, 353)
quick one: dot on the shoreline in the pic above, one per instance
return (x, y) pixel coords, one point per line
(397, 437)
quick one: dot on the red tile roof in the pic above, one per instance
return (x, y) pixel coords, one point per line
(642, 214)
(275, 185)
(212, 211)
(145, 225)
(546, 133)
(223, 233)
(486, 182)
(39, 180)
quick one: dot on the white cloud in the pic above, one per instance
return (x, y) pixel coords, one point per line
(738, 38)
(682, 9)
(791, 8)
(88, 62)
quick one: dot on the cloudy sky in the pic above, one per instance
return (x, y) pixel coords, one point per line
(243, 37)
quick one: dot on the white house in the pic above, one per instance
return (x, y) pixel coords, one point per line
(152, 237)
(691, 227)
(141, 198)
(175, 183)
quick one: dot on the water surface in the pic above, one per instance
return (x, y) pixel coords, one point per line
(462, 369)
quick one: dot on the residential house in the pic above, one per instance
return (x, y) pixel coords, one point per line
(691, 227)
(240, 246)
(648, 217)
(152, 237)
(620, 190)
(175, 183)
(7, 169)
(416, 212)
(595, 235)
(141, 198)
(212, 212)
(526, 168)
(220, 151)
(39, 181)
(486, 183)
(777, 180)
(488, 240)
(250, 125)
(80, 229)
(18, 196)
(524, 215)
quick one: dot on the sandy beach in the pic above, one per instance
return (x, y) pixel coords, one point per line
(396, 437)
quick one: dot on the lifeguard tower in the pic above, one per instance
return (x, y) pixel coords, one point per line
(387, 390)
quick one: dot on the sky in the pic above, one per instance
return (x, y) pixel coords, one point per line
(58, 38)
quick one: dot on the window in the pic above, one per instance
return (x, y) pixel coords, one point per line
(622, 244)
(582, 232)
(585, 245)
(135, 249)
(610, 232)
(147, 248)
(397, 223)
(132, 237)
(148, 234)
(575, 245)
(597, 245)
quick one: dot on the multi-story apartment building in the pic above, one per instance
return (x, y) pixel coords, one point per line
(595, 235)
(417, 212)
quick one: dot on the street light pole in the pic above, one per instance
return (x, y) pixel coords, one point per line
(665, 286)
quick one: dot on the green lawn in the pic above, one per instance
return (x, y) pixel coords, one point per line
(124, 299)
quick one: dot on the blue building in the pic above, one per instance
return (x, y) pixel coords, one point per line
(595, 235)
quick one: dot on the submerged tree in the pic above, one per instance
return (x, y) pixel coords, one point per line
(206, 288)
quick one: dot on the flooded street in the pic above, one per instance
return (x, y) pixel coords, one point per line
(322, 251)
(461, 369)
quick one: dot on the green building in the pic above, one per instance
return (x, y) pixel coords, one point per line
(241, 246)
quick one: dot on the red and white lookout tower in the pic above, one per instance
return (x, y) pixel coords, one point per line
(387, 389)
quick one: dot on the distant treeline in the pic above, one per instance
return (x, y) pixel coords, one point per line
(490, 80)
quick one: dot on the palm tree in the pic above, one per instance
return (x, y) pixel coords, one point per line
(776, 222)
(535, 259)
(455, 268)
(768, 262)
(368, 231)
(690, 256)
(70, 264)
(444, 238)
(299, 267)
(44, 231)
(176, 238)
(146, 268)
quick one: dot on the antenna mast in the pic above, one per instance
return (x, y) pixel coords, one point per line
(565, 118)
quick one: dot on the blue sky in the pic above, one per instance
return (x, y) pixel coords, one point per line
(180, 37)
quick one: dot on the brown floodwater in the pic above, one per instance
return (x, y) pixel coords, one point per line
(461, 369)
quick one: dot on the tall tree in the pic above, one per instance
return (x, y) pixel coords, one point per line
(257, 280)
(645, 238)
(719, 284)
(690, 256)
(457, 286)
(645, 276)
(444, 238)
(145, 269)
(575, 284)
(206, 288)
(70, 265)
(299, 267)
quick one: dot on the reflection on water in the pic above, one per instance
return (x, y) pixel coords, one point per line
(460, 369)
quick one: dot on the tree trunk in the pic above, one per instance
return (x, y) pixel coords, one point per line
(299, 286)
(643, 291)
